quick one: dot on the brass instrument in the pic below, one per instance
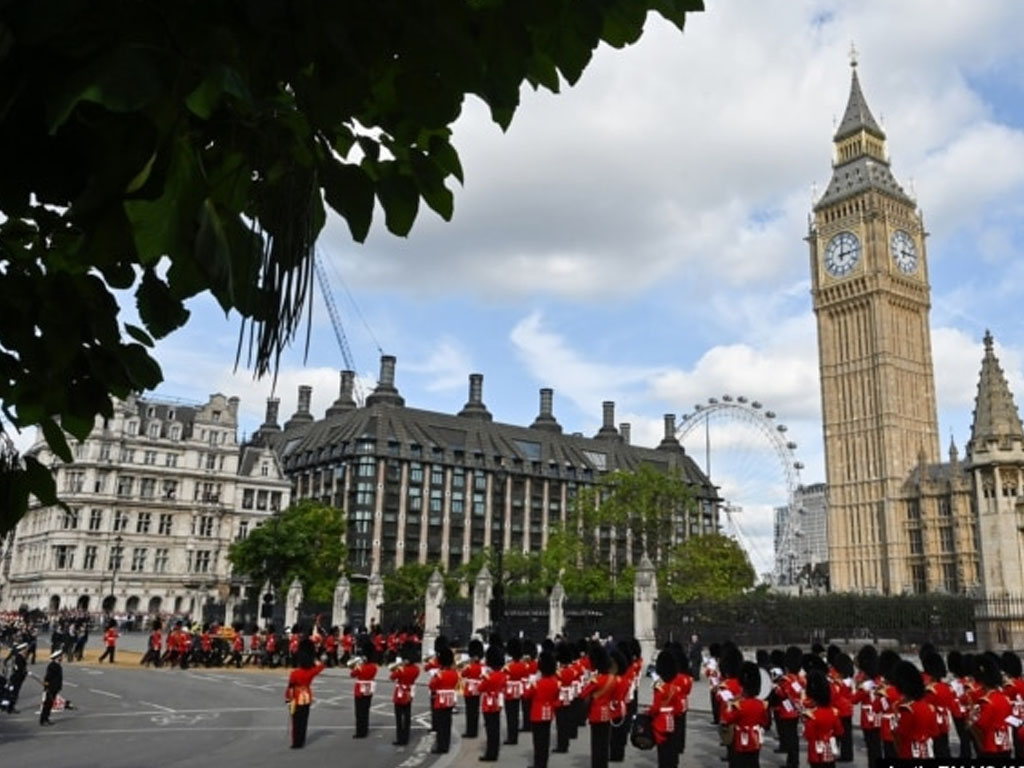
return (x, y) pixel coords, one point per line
(398, 662)
(355, 661)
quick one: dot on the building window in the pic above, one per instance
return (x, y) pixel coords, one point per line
(139, 559)
(366, 466)
(243, 530)
(415, 500)
(261, 500)
(63, 557)
(104, 451)
(124, 485)
(458, 478)
(89, 564)
(916, 544)
(275, 501)
(949, 578)
(120, 521)
(437, 476)
(365, 494)
(114, 563)
(202, 526)
(149, 457)
(913, 509)
(917, 577)
(165, 524)
(199, 561)
(70, 520)
(74, 482)
(946, 538)
(264, 469)
(132, 427)
(147, 487)
(247, 498)
(415, 472)
(127, 455)
(170, 488)
(142, 522)
(160, 560)
(171, 460)
(945, 507)
(95, 519)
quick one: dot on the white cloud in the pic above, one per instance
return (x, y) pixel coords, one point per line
(445, 367)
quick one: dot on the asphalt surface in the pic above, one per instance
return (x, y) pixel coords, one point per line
(132, 717)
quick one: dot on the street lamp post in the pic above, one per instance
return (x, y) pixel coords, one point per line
(498, 596)
(114, 566)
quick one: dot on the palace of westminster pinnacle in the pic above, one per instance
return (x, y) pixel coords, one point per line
(900, 520)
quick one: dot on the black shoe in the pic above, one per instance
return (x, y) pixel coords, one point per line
(485, 759)
(557, 751)
(45, 722)
(510, 743)
(469, 736)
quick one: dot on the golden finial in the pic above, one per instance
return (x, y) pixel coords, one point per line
(853, 55)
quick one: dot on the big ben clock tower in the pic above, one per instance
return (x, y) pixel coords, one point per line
(869, 277)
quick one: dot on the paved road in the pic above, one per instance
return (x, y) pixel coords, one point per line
(132, 717)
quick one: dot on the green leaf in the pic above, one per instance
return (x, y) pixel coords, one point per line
(349, 191)
(399, 198)
(431, 186)
(138, 334)
(40, 481)
(124, 80)
(160, 311)
(166, 226)
(55, 439)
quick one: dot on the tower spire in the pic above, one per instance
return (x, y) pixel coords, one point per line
(995, 413)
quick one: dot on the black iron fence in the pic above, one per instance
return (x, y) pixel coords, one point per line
(457, 622)
(583, 618)
(768, 620)
(400, 615)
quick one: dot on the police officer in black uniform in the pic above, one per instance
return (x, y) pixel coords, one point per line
(53, 681)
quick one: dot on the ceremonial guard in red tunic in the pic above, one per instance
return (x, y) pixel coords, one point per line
(155, 645)
(443, 687)
(515, 671)
(942, 697)
(599, 692)
(299, 693)
(471, 675)
(364, 671)
(529, 675)
(990, 710)
(663, 708)
(543, 695)
(566, 678)
(786, 697)
(747, 717)
(492, 691)
(404, 673)
(822, 726)
(110, 641)
(915, 726)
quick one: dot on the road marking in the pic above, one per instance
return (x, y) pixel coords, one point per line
(107, 693)
(181, 719)
(69, 684)
(419, 754)
(156, 706)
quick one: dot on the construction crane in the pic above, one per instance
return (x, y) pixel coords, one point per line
(339, 331)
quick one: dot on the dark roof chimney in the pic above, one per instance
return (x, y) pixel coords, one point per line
(302, 414)
(669, 442)
(475, 408)
(345, 402)
(545, 419)
(608, 430)
(385, 392)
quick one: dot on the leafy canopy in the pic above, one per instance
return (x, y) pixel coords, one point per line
(712, 566)
(170, 149)
(303, 542)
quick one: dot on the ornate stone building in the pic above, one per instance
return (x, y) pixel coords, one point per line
(156, 495)
(899, 521)
(419, 486)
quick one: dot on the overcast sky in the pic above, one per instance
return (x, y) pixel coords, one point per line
(639, 237)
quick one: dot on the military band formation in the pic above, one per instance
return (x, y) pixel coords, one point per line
(904, 708)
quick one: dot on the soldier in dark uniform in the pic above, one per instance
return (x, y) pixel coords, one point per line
(20, 671)
(53, 681)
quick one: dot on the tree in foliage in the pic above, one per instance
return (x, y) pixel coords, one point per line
(710, 566)
(303, 542)
(172, 149)
(408, 584)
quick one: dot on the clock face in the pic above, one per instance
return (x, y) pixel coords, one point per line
(904, 252)
(842, 254)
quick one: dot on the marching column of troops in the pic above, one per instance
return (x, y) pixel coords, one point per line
(905, 709)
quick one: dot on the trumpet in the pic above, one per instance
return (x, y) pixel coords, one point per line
(398, 662)
(355, 661)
